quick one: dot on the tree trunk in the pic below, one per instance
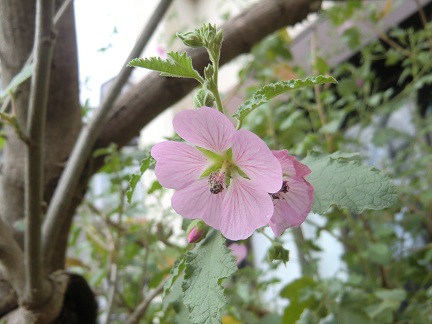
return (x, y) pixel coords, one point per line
(17, 29)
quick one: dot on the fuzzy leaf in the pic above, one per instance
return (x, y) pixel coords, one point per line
(341, 181)
(206, 266)
(176, 65)
(176, 275)
(172, 294)
(135, 178)
(274, 89)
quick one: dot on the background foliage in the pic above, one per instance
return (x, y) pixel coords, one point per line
(387, 254)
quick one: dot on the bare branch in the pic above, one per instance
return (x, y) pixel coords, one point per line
(63, 194)
(37, 289)
(142, 307)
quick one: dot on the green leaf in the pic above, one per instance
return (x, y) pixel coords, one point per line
(22, 76)
(378, 253)
(176, 65)
(206, 267)
(172, 294)
(394, 295)
(390, 301)
(272, 90)
(353, 37)
(154, 187)
(346, 183)
(176, 272)
(134, 178)
(352, 316)
(298, 300)
(278, 252)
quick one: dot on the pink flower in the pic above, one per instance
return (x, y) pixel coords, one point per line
(293, 201)
(224, 179)
(239, 251)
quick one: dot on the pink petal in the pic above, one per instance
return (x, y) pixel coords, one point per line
(292, 207)
(255, 159)
(245, 208)
(177, 164)
(205, 127)
(196, 201)
(290, 166)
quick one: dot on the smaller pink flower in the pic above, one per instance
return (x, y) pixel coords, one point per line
(293, 202)
(161, 51)
(239, 251)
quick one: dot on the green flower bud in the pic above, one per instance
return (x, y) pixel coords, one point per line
(218, 38)
(278, 252)
(190, 39)
(208, 72)
(203, 98)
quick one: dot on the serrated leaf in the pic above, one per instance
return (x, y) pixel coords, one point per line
(135, 178)
(346, 183)
(154, 187)
(206, 266)
(172, 294)
(176, 274)
(176, 65)
(274, 89)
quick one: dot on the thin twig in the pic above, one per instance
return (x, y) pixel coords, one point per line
(317, 91)
(116, 247)
(63, 194)
(142, 307)
(383, 36)
(112, 290)
(37, 289)
(383, 273)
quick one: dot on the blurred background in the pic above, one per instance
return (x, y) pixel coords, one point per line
(373, 267)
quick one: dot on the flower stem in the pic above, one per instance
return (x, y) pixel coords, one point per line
(214, 58)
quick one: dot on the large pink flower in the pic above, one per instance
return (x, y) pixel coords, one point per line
(293, 202)
(223, 178)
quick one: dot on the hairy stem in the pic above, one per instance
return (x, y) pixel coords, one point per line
(317, 92)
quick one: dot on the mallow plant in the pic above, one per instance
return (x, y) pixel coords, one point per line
(231, 184)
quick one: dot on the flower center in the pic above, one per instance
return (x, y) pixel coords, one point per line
(216, 182)
(284, 189)
(222, 168)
